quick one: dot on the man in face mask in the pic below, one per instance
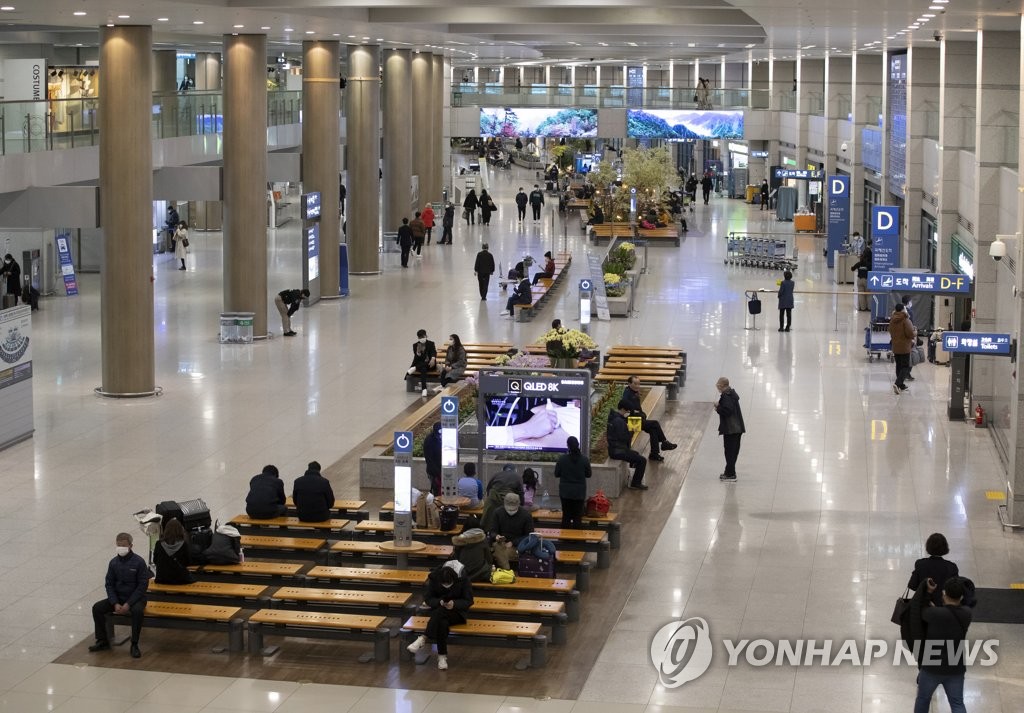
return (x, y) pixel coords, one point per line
(424, 359)
(511, 524)
(126, 584)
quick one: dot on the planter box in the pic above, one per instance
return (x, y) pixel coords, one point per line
(617, 306)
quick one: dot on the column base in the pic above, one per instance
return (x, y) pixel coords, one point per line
(372, 272)
(324, 298)
(158, 391)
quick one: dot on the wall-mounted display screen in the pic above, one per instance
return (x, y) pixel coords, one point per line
(685, 124)
(528, 123)
(530, 423)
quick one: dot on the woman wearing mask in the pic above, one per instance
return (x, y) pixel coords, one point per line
(572, 471)
(486, 207)
(455, 360)
(171, 555)
(181, 243)
(11, 272)
(449, 596)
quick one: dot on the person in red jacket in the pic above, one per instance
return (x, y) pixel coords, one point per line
(428, 220)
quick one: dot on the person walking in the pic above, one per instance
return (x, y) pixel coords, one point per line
(691, 189)
(449, 596)
(730, 426)
(428, 221)
(288, 303)
(486, 207)
(405, 240)
(786, 288)
(903, 336)
(469, 206)
(536, 201)
(765, 194)
(572, 471)
(181, 243)
(706, 184)
(942, 630)
(447, 223)
(862, 267)
(483, 268)
(935, 566)
(419, 232)
(521, 200)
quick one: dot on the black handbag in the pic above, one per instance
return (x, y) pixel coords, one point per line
(902, 608)
(754, 305)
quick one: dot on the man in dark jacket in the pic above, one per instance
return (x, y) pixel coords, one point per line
(432, 456)
(424, 359)
(941, 631)
(903, 334)
(404, 240)
(730, 426)
(536, 201)
(619, 444)
(288, 303)
(862, 267)
(313, 495)
(447, 222)
(484, 268)
(785, 294)
(126, 584)
(521, 295)
(266, 494)
(652, 428)
(419, 232)
(449, 596)
(10, 272)
(706, 184)
(507, 481)
(521, 200)
(511, 524)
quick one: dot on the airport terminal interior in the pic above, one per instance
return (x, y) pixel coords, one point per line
(839, 480)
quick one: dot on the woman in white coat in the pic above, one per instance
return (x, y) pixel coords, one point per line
(181, 243)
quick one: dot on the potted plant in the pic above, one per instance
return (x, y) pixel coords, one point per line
(564, 347)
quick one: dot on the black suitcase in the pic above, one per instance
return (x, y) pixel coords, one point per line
(530, 566)
(191, 514)
(449, 517)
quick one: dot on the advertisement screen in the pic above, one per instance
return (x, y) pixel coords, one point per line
(403, 488)
(672, 124)
(449, 447)
(568, 123)
(531, 423)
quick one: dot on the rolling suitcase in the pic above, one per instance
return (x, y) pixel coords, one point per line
(530, 566)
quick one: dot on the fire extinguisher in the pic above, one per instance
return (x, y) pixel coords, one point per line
(979, 416)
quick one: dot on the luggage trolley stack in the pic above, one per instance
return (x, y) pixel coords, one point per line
(766, 252)
(877, 341)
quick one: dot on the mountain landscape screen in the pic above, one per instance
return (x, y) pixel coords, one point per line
(680, 125)
(529, 123)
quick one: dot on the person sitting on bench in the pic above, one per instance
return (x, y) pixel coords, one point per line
(522, 295)
(126, 584)
(511, 524)
(549, 268)
(597, 217)
(424, 359)
(449, 596)
(313, 495)
(619, 444)
(631, 395)
(171, 556)
(474, 551)
(266, 495)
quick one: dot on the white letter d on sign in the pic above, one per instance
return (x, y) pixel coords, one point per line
(884, 221)
(838, 187)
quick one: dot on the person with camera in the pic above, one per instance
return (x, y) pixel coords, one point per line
(941, 631)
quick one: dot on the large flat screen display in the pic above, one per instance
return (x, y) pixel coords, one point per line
(528, 123)
(684, 124)
(531, 423)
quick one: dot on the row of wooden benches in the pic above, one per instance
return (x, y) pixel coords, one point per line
(604, 232)
(478, 356)
(540, 292)
(664, 366)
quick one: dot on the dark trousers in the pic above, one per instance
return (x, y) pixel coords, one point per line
(653, 429)
(446, 234)
(484, 281)
(418, 245)
(707, 195)
(732, 451)
(764, 202)
(430, 234)
(422, 372)
(902, 369)
(572, 513)
(536, 278)
(99, 619)
(536, 210)
(441, 621)
(405, 256)
(636, 460)
(787, 314)
(522, 211)
(471, 217)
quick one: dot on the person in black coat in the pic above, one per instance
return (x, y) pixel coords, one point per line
(424, 359)
(941, 631)
(521, 295)
(510, 524)
(766, 192)
(730, 426)
(449, 596)
(11, 272)
(521, 200)
(934, 566)
(469, 207)
(404, 240)
(484, 268)
(288, 303)
(432, 455)
(862, 267)
(620, 442)
(786, 288)
(313, 495)
(706, 184)
(171, 556)
(572, 471)
(536, 201)
(631, 395)
(266, 494)
(447, 223)
(486, 207)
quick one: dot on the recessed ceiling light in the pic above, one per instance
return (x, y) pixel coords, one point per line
(691, 44)
(7, 8)
(351, 37)
(310, 32)
(162, 19)
(379, 39)
(238, 27)
(289, 29)
(124, 17)
(79, 13)
(366, 38)
(197, 22)
(265, 28)
(110, 24)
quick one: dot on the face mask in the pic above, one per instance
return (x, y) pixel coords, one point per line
(423, 340)
(447, 586)
(511, 511)
(122, 551)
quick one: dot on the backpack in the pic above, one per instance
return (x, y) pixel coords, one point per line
(225, 546)
(598, 504)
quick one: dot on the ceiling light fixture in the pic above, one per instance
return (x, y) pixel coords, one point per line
(310, 32)
(7, 8)
(289, 29)
(163, 19)
(124, 17)
(238, 27)
(928, 15)
(198, 22)
(79, 13)
(265, 28)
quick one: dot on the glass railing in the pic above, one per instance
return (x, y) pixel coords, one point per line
(59, 124)
(539, 95)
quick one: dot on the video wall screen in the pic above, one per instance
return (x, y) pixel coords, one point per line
(684, 124)
(531, 423)
(530, 123)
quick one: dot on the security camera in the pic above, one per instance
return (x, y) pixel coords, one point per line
(997, 250)
(843, 147)
(937, 36)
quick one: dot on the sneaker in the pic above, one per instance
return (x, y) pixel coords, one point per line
(442, 663)
(415, 646)
(289, 334)
(656, 457)
(425, 393)
(136, 654)
(100, 646)
(895, 389)
(668, 446)
(904, 388)
(727, 478)
(639, 486)
(910, 378)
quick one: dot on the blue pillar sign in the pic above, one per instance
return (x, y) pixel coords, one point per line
(67, 267)
(976, 343)
(885, 237)
(449, 446)
(838, 215)
(930, 282)
(403, 488)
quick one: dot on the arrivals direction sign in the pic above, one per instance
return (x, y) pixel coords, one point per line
(976, 343)
(932, 282)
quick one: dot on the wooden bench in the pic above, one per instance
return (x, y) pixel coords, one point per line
(640, 350)
(334, 526)
(480, 632)
(194, 617)
(370, 578)
(252, 572)
(551, 614)
(261, 545)
(541, 291)
(647, 364)
(347, 601)
(350, 509)
(610, 231)
(609, 522)
(475, 352)
(223, 593)
(388, 527)
(668, 379)
(562, 589)
(669, 234)
(590, 540)
(320, 625)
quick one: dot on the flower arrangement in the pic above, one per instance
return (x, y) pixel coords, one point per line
(566, 343)
(522, 360)
(615, 284)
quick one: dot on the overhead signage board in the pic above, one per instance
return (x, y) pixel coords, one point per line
(931, 282)
(798, 174)
(977, 343)
(758, 154)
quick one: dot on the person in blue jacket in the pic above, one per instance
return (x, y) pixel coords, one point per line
(126, 584)
(786, 288)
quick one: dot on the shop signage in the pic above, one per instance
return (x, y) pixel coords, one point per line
(935, 283)
(24, 79)
(67, 267)
(976, 343)
(758, 154)
(838, 215)
(885, 234)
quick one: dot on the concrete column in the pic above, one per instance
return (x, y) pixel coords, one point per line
(208, 71)
(398, 117)
(362, 137)
(245, 177)
(997, 101)
(423, 124)
(438, 148)
(165, 70)
(321, 141)
(445, 130)
(922, 98)
(839, 97)
(126, 212)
